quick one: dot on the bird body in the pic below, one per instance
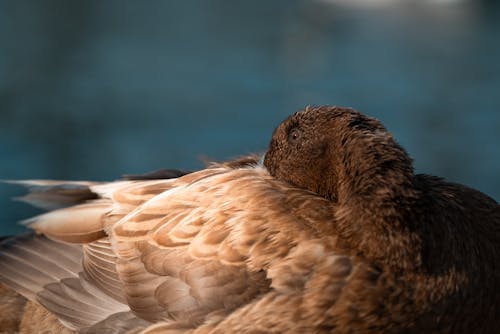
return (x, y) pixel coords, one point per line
(334, 234)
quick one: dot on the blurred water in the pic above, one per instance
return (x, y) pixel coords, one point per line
(95, 89)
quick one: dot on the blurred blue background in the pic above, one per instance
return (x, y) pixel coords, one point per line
(96, 89)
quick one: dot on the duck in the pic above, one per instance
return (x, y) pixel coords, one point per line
(330, 231)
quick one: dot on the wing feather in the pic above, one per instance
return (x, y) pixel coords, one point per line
(27, 263)
(99, 263)
(225, 228)
(52, 194)
(80, 224)
(177, 250)
(51, 273)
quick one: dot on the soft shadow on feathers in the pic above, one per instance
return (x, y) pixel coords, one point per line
(335, 235)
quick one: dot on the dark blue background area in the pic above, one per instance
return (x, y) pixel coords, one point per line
(96, 89)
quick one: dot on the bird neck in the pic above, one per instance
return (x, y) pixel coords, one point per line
(376, 195)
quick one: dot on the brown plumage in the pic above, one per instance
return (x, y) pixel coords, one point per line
(335, 235)
(435, 244)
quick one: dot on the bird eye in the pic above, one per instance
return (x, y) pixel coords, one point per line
(294, 135)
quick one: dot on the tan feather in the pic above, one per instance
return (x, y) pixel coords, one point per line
(177, 250)
(210, 229)
(50, 273)
(99, 263)
(79, 224)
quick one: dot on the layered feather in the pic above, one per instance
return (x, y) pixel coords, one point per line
(185, 252)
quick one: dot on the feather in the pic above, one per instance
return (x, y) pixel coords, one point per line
(28, 263)
(81, 223)
(51, 195)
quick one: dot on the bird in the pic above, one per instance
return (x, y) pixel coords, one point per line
(330, 231)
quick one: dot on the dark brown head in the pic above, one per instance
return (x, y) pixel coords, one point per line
(337, 153)
(352, 160)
